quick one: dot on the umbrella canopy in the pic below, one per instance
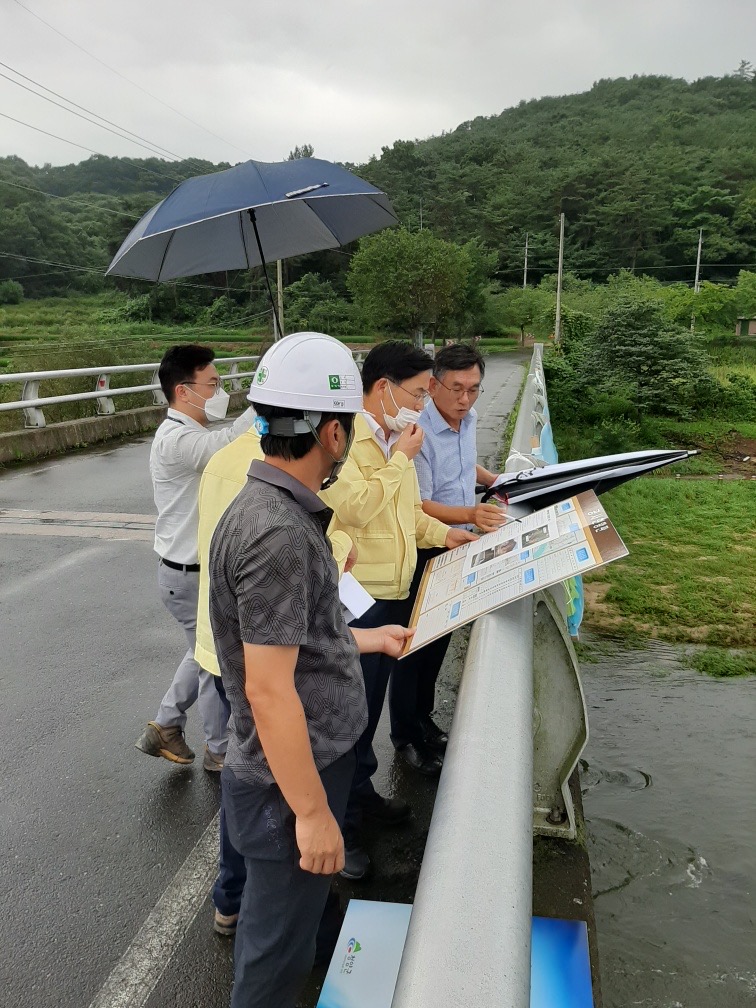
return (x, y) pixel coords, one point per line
(249, 215)
(541, 487)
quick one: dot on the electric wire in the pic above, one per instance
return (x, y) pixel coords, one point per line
(73, 143)
(154, 151)
(90, 269)
(163, 151)
(70, 199)
(128, 79)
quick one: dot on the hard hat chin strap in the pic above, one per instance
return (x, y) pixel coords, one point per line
(338, 463)
(291, 426)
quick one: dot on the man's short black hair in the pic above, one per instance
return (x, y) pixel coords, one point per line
(457, 357)
(394, 359)
(179, 365)
(292, 448)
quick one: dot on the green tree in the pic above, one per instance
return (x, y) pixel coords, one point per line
(409, 280)
(313, 304)
(11, 292)
(301, 151)
(634, 348)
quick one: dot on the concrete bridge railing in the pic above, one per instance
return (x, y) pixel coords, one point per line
(519, 727)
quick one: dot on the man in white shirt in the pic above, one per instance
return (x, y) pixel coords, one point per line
(182, 447)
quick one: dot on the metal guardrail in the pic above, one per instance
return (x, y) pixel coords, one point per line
(519, 727)
(32, 403)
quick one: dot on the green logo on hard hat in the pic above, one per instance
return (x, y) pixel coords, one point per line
(334, 381)
(262, 375)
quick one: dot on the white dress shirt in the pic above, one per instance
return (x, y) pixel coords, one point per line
(180, 451)
(379, 436)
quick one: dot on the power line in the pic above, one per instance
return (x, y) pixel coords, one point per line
(70, 199)
(73, 143)
(90, 269)
(128, 79)
(122, 136)
(155, 148)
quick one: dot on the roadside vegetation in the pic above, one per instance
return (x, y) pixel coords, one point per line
(628, 375)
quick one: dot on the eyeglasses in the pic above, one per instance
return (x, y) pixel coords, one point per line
(217, 385)
(421, 398)
(459, 390)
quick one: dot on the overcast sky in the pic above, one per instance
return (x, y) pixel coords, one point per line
(347, 76)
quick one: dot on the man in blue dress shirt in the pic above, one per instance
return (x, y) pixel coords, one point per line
(447, 471)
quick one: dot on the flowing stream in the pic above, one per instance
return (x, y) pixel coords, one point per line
(670, 802)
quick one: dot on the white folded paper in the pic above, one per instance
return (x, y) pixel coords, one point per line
(354, 598)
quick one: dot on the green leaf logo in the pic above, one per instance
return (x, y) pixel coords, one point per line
(334, 381)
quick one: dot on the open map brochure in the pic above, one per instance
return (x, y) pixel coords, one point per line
(524, 556)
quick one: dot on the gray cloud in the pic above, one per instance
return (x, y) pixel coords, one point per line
(347, 76)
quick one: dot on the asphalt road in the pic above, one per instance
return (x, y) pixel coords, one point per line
(108, 854)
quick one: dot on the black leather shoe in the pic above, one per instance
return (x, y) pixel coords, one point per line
(422, 760)
(356, 864)
(434, 735)
(387, 811)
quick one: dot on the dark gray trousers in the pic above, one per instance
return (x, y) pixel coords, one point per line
(281, 905)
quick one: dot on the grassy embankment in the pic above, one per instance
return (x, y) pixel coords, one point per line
(691, 574)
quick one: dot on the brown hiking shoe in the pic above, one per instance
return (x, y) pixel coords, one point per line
(225, 924)
(213, 761)
(169, 743)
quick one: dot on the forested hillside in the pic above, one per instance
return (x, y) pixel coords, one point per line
(637, 166)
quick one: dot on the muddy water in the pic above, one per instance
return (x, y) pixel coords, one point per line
(669, 784)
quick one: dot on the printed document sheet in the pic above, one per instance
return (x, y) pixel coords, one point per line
(521, 558)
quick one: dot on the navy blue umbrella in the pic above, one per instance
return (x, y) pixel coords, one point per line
(249, 215)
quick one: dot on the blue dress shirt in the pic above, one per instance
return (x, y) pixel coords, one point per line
(446, 462)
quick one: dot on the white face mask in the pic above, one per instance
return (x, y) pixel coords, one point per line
(217, 406)
(403, 418)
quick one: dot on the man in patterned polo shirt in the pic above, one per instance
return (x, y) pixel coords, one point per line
(290, 665)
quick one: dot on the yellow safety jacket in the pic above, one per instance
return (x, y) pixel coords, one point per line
(223, 477)
(376, 502)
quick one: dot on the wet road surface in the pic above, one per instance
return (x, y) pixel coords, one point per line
(108, 854)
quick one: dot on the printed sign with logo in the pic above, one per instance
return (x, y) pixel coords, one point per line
(341, 383)
(365, 965)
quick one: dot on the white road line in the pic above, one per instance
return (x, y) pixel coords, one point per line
(139, 969)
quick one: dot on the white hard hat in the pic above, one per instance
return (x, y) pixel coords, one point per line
(308, 371)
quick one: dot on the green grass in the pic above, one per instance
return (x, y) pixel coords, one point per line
(691, 572)
(723, 663)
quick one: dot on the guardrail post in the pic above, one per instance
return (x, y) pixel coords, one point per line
(105, 405)
(236, 385)
(34, 417)
(158, 399)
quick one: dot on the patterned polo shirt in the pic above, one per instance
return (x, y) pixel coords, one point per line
(273, 581)
(445, 464)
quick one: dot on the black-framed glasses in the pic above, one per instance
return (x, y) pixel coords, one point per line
(460, 390)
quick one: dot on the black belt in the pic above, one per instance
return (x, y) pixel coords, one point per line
(187, 568)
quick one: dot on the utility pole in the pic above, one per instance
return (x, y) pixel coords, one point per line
(525, 270)
(279, 298)
(558, 320)
(697, 281)
(697, 284)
